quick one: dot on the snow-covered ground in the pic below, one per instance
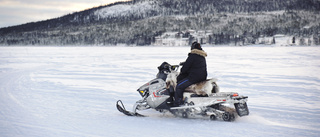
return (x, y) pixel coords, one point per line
(71, 91)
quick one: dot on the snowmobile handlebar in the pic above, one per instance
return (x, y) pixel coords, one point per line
(174, 67)
(181, 63)
(167, 67)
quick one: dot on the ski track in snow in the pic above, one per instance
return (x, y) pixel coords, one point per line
(72, 91)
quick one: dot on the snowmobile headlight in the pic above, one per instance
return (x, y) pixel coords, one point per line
(143, 92)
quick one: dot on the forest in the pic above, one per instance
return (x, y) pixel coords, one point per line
(226, 21)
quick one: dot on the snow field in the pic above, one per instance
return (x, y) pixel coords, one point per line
(71, 91)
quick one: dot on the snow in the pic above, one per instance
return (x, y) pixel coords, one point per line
(124, 9)
(72, 91)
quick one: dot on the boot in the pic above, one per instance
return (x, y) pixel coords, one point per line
(177, 102)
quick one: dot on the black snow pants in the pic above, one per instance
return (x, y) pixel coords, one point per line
(181, 86)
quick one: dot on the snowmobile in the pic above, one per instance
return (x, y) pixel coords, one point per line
(201, 100)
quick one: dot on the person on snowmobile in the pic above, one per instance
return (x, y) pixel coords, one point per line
(194, 70)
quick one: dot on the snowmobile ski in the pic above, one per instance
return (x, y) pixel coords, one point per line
(122, 109)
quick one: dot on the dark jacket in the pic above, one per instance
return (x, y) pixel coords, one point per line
(195, 67)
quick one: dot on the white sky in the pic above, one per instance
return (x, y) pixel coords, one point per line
(16, 12)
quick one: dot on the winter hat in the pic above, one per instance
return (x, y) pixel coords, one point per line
(196, 45)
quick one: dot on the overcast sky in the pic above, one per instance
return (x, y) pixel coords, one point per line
(16, 12)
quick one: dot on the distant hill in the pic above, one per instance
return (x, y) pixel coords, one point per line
(147, 22)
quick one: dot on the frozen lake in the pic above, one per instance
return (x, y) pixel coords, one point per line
(72, 91)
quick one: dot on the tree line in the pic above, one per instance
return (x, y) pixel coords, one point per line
(229, 21)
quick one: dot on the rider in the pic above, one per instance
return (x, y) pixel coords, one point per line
(194, 70)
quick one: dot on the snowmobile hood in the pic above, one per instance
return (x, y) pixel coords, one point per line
(198, 52)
